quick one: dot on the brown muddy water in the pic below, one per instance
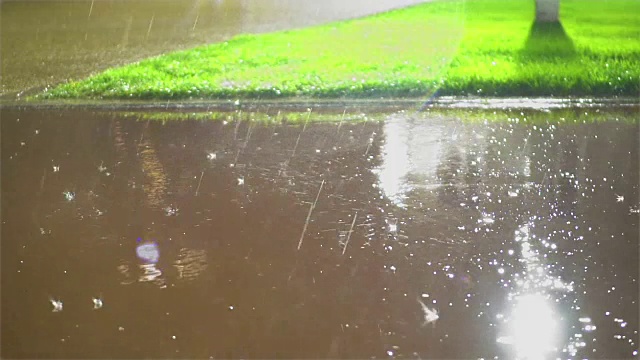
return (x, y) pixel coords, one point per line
(44, 42)
(424, 235)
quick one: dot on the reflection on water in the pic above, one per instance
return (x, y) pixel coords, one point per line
(395, 164)
(534, 326)
(190, 263)
(199, 239)
(156, 182)
(150, 273)
(148, 252)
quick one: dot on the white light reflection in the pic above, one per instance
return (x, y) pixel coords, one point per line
(149, 253)
(412, 150)
(395, 163)
(430, 315)
(151, 274)
(190, 263)
(533, 326)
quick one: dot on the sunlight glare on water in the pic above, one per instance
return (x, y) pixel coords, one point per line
(535, 327)
(395, 164)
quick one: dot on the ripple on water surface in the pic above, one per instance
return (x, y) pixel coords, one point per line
(427, 235)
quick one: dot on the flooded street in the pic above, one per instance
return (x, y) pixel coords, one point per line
(44, 42)
(398, 235)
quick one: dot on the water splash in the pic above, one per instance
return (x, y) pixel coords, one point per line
(57, 304)
(97, 303)
(69, 195)
(430, 315)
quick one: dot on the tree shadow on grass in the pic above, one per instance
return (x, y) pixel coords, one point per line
(548, 40)
(549, 65)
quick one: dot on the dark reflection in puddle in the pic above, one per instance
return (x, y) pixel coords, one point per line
(419, 236)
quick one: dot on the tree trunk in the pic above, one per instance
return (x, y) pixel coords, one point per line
(547, 10)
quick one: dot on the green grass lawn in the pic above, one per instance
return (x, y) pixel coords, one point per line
(472, 47)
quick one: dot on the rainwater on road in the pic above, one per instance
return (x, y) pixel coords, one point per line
(417, 235)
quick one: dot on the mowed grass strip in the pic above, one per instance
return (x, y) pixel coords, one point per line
(472, 47)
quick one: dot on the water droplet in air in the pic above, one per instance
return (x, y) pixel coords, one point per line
(57, 305)
(69, 196)
(392, 225)
(97, 303)
(171, 211)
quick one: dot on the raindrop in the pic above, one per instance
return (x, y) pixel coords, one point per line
(171, 211)
(487, 219)
(69, 196)
(57, 305)
(97, 303)
(392, 225)
(430, 315)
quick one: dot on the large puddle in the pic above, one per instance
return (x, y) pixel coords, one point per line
(425, 235)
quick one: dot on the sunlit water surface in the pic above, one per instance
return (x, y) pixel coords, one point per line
(422, 235)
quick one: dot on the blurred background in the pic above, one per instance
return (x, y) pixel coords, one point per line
(46, 42)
